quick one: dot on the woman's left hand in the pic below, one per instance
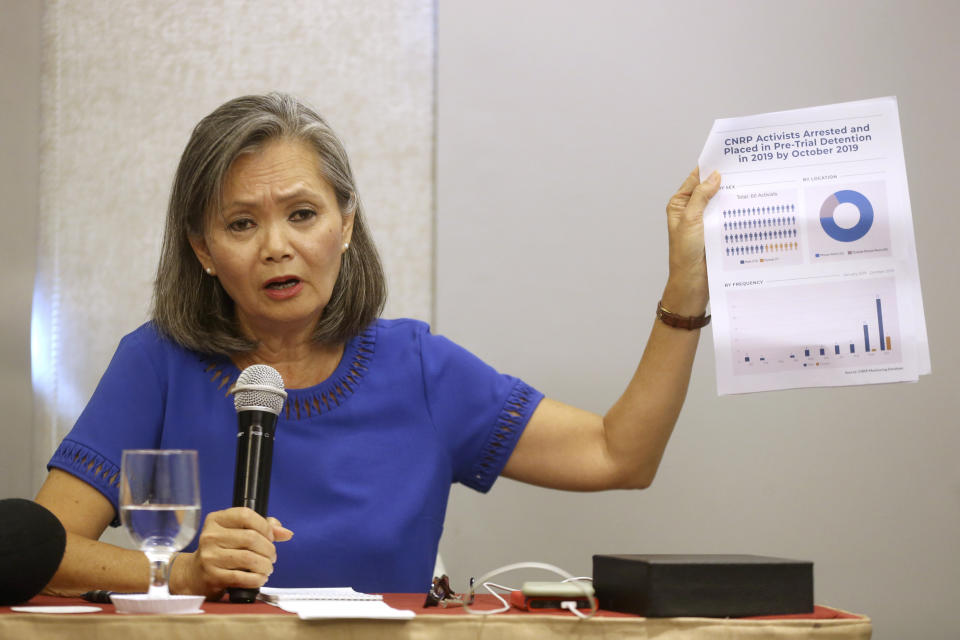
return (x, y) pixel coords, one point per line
(686, 292)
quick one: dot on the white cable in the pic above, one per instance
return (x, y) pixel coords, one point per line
(506, 605)
(571, 606)
(485, 580)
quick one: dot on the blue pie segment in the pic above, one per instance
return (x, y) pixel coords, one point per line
(835, 231)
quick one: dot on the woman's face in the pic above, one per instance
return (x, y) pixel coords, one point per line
(276, 244)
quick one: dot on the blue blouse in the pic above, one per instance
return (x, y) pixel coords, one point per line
(362, 462)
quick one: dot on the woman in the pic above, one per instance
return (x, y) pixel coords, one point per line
(266, 259)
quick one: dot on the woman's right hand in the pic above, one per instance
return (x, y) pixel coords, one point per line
(235, 549)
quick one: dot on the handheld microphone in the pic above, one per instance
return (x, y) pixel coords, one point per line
(32, 542)
(258, 399)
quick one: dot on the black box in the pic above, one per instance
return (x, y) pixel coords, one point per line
(715, 586)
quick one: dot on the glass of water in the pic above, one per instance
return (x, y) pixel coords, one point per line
(160, 506)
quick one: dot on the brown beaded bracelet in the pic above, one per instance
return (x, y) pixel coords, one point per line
(681, 322)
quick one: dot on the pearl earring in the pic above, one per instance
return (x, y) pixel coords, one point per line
(209, 271)
(346, 245)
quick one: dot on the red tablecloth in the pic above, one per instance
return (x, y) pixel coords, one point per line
(414, 602)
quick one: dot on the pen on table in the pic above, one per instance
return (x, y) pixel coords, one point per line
(100, 595)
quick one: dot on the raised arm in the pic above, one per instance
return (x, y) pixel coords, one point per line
(567, 448)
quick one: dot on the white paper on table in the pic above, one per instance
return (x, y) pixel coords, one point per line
(274, 595)
(810, 250)
(322, 609)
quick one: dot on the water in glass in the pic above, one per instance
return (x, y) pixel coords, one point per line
(160, 506)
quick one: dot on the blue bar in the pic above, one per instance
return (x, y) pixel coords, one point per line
(866, 339)
(883, 346)
(852, 350)
(836, 349)
(821, 351)
(806, 352)
(747, 359)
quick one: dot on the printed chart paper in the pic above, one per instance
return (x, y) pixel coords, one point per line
(811, 252)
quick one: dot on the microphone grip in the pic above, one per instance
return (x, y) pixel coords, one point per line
(251, 481)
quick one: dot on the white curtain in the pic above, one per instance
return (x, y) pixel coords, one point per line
(123, 85)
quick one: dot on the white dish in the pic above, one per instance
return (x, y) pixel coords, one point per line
(53, 609)
(143, 603)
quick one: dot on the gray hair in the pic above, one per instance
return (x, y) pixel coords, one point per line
(192, 308)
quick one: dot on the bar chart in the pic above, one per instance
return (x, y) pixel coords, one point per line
(799, 327)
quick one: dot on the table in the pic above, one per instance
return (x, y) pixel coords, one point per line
(223, 620)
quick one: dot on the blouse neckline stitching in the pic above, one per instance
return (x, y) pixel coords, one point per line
(320, 399)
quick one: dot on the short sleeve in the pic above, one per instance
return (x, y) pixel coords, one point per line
(479, 412)
(125, 412)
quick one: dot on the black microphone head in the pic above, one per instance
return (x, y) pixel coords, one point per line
(259, 387)
(32, 542)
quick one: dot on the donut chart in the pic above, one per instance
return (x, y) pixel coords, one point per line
(835, 231)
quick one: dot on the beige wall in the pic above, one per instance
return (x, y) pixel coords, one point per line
(563, 129)
(19, 210)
